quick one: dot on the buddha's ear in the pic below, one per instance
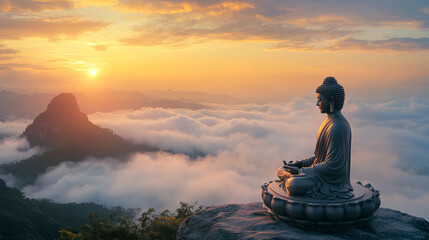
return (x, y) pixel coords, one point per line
(331, 104)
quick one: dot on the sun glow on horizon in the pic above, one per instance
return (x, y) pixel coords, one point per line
(92, 72)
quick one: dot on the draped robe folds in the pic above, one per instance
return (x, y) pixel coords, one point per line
(330, 167)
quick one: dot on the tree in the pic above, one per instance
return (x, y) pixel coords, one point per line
(150, 225)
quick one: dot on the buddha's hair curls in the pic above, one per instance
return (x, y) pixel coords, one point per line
(331, 88)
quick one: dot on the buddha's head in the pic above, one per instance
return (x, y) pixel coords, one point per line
(330, 96)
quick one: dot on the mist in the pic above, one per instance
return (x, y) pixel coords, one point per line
(240, 147)
(12, 146)
(13, 128)
(15, 148)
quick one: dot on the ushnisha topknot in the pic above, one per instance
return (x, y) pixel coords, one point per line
(331, 88)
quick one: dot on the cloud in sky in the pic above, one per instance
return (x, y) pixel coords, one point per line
(392, 44)
(176, 7)
(172, 30)
(99, 47)
(297, 24)
(4, 50)
(240, 148)
(205, 21)
(45, 27)
(301, 25)
(35, 5)
(382, 12)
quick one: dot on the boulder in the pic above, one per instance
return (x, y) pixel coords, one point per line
(251, 221)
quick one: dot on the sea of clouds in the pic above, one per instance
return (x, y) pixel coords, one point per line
(223, 154)
(12, 147)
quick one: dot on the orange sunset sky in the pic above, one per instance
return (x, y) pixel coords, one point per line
(266, 49)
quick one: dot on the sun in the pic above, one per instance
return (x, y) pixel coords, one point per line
(93, 72)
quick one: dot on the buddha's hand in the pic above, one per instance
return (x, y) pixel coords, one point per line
(291, 169)
(297, 164)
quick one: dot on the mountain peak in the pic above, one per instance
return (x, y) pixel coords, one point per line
(64, 103)
(60, 125)
(68, 135)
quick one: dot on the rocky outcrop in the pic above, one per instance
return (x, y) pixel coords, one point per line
(251, 221)
(62, 124)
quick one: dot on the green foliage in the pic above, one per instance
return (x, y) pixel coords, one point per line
(165, 225)
(20, 218)
(108, 228)
(29, 219)
(150, 226)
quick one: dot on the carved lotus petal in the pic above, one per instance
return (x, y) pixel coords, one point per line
(377, 201)
(368, 208)
(314, 212)
(352, 211)
(334, 212)
(267, 199)
(295, 210)
(278, 205)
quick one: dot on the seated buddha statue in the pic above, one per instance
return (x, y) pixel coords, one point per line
(326, 174)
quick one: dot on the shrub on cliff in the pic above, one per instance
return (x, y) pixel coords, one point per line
(150, 225)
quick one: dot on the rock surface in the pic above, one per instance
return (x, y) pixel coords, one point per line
(251, 221)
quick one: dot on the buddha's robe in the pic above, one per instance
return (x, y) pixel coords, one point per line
(330, 167)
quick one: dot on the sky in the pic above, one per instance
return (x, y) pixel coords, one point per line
(271, 49)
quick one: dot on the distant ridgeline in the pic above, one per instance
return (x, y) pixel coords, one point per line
(68, 135)
(19, 105)
(30, 219)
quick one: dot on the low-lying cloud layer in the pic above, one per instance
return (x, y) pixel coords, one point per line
(12, 146)
(13, 128)
(239, 148)
(13, 149)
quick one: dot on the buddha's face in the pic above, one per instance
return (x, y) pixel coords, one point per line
(323, 103)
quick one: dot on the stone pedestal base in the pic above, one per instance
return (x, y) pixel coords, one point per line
(310, 212)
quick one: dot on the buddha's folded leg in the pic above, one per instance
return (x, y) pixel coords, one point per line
(299, 185)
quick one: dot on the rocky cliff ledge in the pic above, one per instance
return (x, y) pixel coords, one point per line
(251, 221)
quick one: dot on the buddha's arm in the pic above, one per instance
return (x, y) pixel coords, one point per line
(308, 161)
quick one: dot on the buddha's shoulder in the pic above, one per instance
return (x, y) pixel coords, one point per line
(339, 124)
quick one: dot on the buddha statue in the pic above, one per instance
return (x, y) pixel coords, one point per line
(316, 192)
(326, 174)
